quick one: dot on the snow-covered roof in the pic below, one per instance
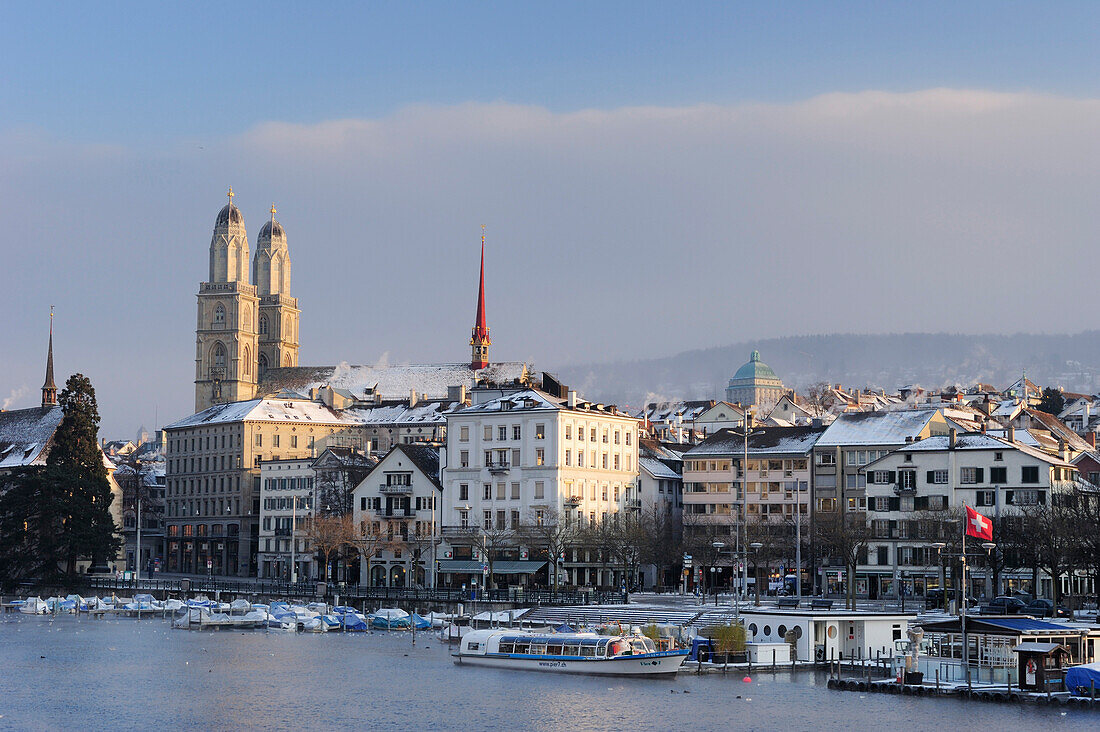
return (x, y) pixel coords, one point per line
(26, 434)
(390, 382)
(263, 410)
(536, 399)
(433, 412)
(766, 441)
(876, 428)
(978, 441)
(657, 469)
(669, 411)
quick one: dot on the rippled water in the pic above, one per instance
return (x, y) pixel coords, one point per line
(78, 673)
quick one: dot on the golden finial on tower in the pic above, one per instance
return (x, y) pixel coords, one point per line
(483, 234)
(230, 194)
(273, 212)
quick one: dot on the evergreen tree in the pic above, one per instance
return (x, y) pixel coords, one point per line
(1052, 401)
(75, 464)
(32, 531)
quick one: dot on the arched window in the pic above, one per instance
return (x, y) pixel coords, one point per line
(263, 363)
(219, 316)
(218, 356)
(247, 361)
(263, 325)
(286, 360)
(246, 317)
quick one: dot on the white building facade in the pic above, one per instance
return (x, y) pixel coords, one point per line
(525, 457)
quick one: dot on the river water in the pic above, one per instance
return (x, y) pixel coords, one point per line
(79, 673)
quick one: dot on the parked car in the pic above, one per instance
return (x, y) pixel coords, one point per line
(1004, 605)
(1046, 609)
(934, 598)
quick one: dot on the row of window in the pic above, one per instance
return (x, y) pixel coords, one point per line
(967, 476)
(198, 486)
(288, 484)
(276, 440)
(397, 503)
(764, 466)
(202, 529)
(204, 507)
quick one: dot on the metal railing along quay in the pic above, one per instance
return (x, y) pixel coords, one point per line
(207, 585)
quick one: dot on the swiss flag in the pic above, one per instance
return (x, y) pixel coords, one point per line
(978, 526)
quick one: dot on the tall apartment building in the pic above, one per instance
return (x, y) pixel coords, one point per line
(530, 456)
(213, 475)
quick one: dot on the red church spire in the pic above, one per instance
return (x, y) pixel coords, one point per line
(479, 335)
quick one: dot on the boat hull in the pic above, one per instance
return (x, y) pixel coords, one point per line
(657, 664)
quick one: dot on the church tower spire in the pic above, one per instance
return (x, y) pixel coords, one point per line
(479, 336)
(49, 389)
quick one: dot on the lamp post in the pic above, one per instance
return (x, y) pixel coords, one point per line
(939, 547)
(755, 546)
(718, 545)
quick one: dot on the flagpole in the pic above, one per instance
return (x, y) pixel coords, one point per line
(962, 611)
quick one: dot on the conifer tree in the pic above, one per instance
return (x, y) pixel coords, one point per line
(75, 464)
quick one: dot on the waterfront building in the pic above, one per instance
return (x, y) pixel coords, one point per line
(916, 493)
(851, 442)
(755, 384)
(660, 501)
(144, 481)
(774, 489)
(213, 474)
(520, 459)
(396, 508)
(287, 500)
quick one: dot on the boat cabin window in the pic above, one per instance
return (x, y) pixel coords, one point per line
(554, 650)
(472, 645)
(507, 647)
(571, 650)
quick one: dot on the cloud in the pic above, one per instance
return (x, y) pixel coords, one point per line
(612, 233)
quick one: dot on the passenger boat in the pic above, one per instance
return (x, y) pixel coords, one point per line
(581, 653)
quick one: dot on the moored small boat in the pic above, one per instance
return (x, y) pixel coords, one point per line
(582, 653)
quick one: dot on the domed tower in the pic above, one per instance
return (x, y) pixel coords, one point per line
(225, 335)
(277, 328)
(755, 384)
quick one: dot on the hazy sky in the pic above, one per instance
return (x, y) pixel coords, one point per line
(653, 177)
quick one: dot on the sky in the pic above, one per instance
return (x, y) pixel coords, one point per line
(653, 177)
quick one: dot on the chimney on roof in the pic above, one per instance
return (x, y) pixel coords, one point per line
(571, 398)
(1090, 437)
(456, 393)
(1011, 434)
(983, 427)
(952, 437)
(412, 397)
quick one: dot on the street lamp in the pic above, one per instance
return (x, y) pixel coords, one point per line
(718, 546)
(939, 547)
(755, 546)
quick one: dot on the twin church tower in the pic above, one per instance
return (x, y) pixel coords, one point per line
(246, 325)
(245, 328)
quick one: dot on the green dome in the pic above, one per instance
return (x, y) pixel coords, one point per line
(755, 369)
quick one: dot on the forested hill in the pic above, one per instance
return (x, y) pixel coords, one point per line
(887, 361)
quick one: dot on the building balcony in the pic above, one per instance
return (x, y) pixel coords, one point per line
(459, 532)
(572, 501)
(498, 468)
(394, 513)
(395, 489)
(901, 490)
(633, 503)
(282, 531)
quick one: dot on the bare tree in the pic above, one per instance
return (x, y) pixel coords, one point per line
(552, 531)
(368, 541)
(663, 545)
(818, 398)
(489, 544)
(845, 535)
(328, 534)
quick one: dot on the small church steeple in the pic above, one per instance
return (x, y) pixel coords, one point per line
(479, 336)
(49, 389)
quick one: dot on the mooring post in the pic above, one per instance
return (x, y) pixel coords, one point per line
(937, 681)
